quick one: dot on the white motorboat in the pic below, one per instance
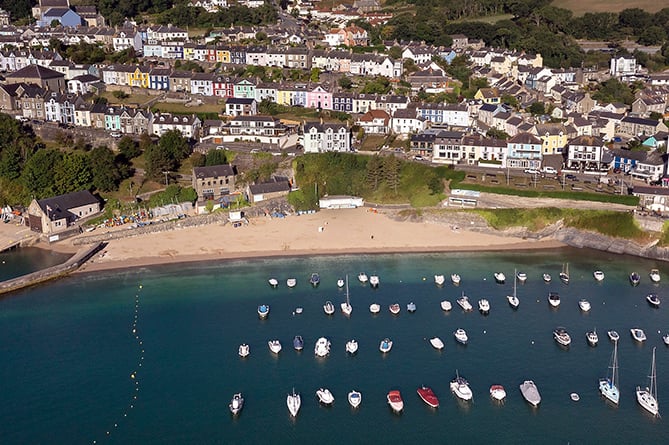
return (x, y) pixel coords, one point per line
(521, 277)
(328, 308)
(298, 343)
(395, 401)
(564, 275)
(599, 275)
(497, 392)
(236, 404)
(561, 336)
(464, 303)
(530, 392)
(439, 280)
(315, 279)
(455, 278)
(446, 305)
(346, 307)
(263, 311)
(460, 387)
(294, 401)
(322, 347)
(638, 334)
(665, 339)
(484, 306)
(340, 283)
(394, 308)
(374, 281)
(273, 282)
(547, 277)
(654, 275)
(592, 337)
(352, 346)
(299, 310)
(574, 396)
(411, 307)
(291, 282)
(607, 386)
(437, 343)
(653, 300)
(647, 397)
(325, 396)
(374, 308)
(500, 277)
(244, 350)
(554, 299)
(386, 345)
(613, 336)
(461, 336)
(584, 305)
(274, 346)
(362, 277)
(354, 398)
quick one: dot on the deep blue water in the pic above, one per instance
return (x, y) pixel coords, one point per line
(68, 353)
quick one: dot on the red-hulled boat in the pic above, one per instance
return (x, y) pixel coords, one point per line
(395, 401)
(428, 396)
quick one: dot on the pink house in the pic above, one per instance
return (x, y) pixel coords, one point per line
(319, 98)
(223, 86)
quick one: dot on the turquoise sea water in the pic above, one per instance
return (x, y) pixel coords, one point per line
(28, 259)
(69, 353)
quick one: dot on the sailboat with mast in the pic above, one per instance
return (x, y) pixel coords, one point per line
(346, 307)
(608, 386)
(564, 275)
(647, 397)
(513, 299)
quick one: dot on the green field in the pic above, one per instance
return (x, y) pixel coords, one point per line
(580, 7)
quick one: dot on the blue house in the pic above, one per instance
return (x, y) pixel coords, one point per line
(159, 79)
(626, 160)
(65, 16)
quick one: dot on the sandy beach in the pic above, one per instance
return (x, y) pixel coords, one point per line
(326, 232)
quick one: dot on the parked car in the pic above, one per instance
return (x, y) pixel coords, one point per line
(549, 170)
(115, 134)
(532, 171)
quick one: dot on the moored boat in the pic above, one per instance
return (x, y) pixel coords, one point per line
(263, 311)
(461, 336)
(437, 343)
(647, 397)
(607, 385)
(374, 308)
(513, 301)
(298, 343)
(653, 300)
(244, 350)
(484, 306)
(439, 280)
(654, 275)
(236, 404)
(638, 334)
(500, 278)
(328, 308)
(665, 339)
(294, 401)
(584, 305)
(592, 337)
(464, 303)
(599, 275)
(613, 336)
(521, 277)
(547, 277)
(354, 398)
(340, 283)
(460, 387)
(325, 396)
(530, 392)
(274, 346)
(497, 392)
(346, 307)
(394, 308)
(395, 401)
(446, 305)
(561, 336)
(362, 277)
(291, 282)
(352, 346)
(374, 281)
(428, 396)
(315, 279)
(273, 282)
(564, 275)
(411, 307)
(574, 396)
(635, 278)
(386, 345)
(455, 278)
(322, 347)
(554, 299)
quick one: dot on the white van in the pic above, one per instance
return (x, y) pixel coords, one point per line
(550, 170)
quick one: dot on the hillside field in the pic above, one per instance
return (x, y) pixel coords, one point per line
(580, 7)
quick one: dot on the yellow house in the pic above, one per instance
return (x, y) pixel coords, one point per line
(488, 96)
(554, 137)
(139, 77)
(223, 55)
(284, 96)
(189, 51)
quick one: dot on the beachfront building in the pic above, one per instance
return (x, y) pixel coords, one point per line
(213, 182)
(276, 188)
(52, 216)
(524, 151)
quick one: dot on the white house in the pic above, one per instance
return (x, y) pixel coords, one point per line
(318, 137)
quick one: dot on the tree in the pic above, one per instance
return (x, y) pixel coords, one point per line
(120, 95)
(216, 157)
(374, 172)
(346, 82)
(73, 173)
(395, 52)
(167, 155)
(537, 108)
(38, 173)
(315, 74)
(391, 172)
(105, 171)
(128, 148)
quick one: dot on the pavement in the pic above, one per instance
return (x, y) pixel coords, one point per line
(12, 232)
